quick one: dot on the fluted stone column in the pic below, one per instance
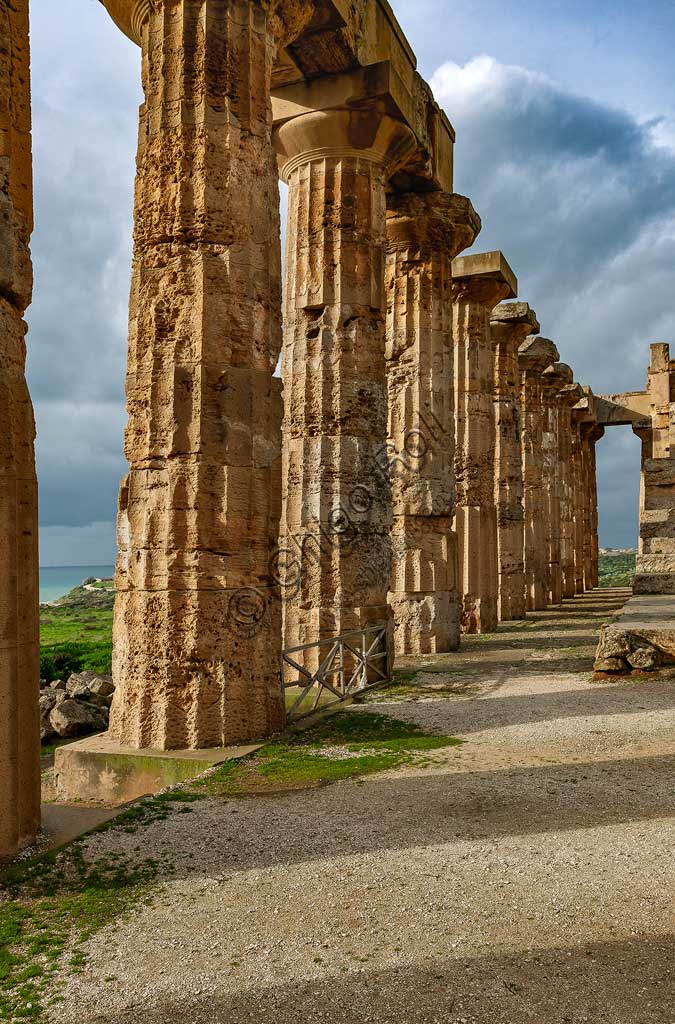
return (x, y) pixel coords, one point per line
(19, 617)
(197, 619)
(535, 355)
(511, 323)
(424, 233)
(578, 501)
(553, 379)
(480, 282)
(567, 398)
(336, 515)
(591, 432)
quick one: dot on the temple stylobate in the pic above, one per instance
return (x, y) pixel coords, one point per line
(426, 464)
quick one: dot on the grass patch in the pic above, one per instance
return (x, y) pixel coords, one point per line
(59, 661)
(76, 633)
(344, 746)
(56, 902)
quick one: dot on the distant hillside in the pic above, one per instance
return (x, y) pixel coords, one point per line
(76, 631)
(616, 568)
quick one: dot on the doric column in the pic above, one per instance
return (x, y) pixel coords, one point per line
(579, 498)
(567, 398)
(535, 355)
(511, 323)
(197, 619)
(479, 283)
(19, 617)
(591, 432)
(336, 515)
(553, 379)
(424, 233)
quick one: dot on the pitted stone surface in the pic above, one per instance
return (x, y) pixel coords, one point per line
(197, 617)
(511, 323)
(19, 630)
(424, 233)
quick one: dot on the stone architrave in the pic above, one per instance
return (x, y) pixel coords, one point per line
(336, 500)
(197, 618)
(534, 356)
(480, 282)
(567, 398)
(424, 232)
(19, 610)
(553, 379)
(510, 323)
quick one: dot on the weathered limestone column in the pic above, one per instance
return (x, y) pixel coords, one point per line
(591, 432)
(424, 233)
(510, 323)
(479, 283)
(336, 515)
(19, 615)
(197, 617)
(534, 356)
(567, 398)
(553, 379)
(579, 498)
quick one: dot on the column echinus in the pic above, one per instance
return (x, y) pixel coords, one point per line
(511, 323)
(197, 618)
(480, 282)
(554, 378)
(336, 507)
(424, 232)
(534, 356)
(567, 398)
(19, 640)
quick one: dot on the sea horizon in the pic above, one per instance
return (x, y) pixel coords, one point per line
(58, 580)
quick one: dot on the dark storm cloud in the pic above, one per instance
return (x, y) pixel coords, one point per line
(84, 129)
(582, 201)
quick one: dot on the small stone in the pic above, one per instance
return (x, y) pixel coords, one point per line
(102, 686)
(646, 658)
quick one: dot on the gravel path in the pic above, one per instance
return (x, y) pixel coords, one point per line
(527, 876)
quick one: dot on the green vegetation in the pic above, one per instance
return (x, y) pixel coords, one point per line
(51, 905)
(616, 570)
(344, 746)
(76, 633)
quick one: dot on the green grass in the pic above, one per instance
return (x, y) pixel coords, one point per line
(76, 634)
(56, 902)
(371, 743)
(51, 905)
(616, 570)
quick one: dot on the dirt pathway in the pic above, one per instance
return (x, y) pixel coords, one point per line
(526, 876)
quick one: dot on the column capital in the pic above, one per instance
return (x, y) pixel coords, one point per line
(536, 354)
(484, 277)
(363, 133)
(555, 377)
(436, 221)
(512, 322)
(569, 395)
(291, 17)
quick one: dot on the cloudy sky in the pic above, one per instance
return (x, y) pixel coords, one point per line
(565, 119)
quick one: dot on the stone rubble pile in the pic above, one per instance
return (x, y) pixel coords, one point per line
(76, 707)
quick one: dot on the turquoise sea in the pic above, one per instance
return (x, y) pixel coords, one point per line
(57, 580)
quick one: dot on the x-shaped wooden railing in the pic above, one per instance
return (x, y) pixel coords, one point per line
(354, 662)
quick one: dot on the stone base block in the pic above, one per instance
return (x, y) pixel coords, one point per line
(100, 770)
(641, 637)
(654, 583)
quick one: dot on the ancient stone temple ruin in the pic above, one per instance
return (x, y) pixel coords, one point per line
(426, 462)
